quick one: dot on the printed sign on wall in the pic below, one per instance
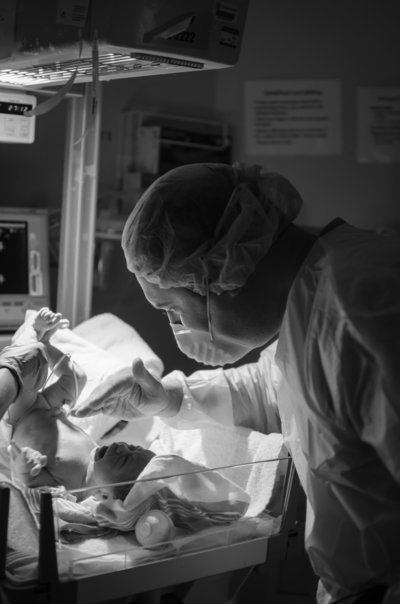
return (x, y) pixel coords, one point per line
(379, 125)
(293, 117)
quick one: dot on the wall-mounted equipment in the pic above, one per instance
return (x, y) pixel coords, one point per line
(14, 126)
(47, 40)
(150, 144)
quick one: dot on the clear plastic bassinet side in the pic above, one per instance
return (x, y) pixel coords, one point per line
(174, 509)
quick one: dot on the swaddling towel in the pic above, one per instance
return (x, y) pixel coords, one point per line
(193, 496)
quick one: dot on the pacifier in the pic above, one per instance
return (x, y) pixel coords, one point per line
(153, 527)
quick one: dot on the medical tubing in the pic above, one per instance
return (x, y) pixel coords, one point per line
(3, 597)
(64, 356)
(345, 598)
(364, 592)
(166, 476)
(205, 266)
(56, 366)
(208, 307)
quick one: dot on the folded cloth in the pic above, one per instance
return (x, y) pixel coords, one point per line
(193, 496)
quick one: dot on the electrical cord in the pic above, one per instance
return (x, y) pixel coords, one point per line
(3, 596)
(378, 591)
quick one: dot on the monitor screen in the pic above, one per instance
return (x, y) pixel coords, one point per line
(24, 264)
(14, 275)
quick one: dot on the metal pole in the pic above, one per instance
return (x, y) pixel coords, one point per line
(78, 218)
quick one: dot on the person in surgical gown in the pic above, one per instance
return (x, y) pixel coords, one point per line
(215, 247)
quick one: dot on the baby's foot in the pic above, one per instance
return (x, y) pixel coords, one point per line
(48, 322)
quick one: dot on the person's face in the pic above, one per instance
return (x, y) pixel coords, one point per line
(115, 463)
(228, 321)
(179, 304)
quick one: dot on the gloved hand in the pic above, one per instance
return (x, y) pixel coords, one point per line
(132, 393)
(28, 363)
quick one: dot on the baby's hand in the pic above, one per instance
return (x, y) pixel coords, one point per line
(47, 322)
(32, 460)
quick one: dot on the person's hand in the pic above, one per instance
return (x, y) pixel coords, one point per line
(28, 365)
(131, 393)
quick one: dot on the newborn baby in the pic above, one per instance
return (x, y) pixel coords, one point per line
(46, 448)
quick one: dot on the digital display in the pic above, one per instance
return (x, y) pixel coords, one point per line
(15, 125)
(11, 108)
(14, 267)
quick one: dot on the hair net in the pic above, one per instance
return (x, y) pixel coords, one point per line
(205, 226)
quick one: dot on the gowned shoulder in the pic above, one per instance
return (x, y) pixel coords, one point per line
(364, 277)
(355, 331)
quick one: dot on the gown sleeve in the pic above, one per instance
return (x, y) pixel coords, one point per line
(243, 396)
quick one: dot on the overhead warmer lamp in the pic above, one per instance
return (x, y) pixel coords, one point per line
(46, 42)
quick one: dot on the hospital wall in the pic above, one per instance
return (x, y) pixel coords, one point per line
(354, 42)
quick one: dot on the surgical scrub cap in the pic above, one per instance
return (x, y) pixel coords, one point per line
(204, 227)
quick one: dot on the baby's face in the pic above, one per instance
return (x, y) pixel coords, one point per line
(118, 462)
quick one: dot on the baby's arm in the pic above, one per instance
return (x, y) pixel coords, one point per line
(72, 378)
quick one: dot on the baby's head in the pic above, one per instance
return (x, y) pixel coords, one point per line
(118, 462)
